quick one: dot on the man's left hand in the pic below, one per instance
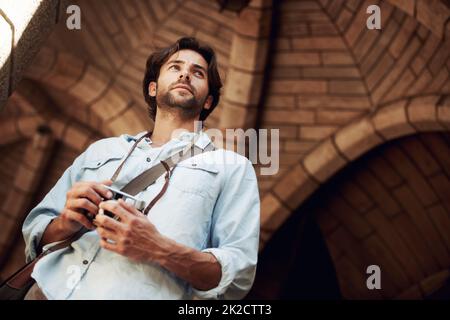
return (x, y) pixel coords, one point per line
(134, 236)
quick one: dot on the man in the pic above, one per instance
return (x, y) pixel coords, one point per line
(200, 239)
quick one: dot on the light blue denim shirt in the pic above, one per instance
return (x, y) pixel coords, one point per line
(212, 204)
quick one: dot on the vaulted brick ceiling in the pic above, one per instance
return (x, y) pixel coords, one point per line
(334, 88)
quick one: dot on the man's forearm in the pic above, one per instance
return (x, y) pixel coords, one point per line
(200, 269)
(54, 232)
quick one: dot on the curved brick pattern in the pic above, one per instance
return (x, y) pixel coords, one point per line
(295, 187)
(356, 139)
(324, 161)
(5, 59)
(273, 215)
(8, 131)
(88, 92)
(75, 137)
(90, 85)
(110, 29)
(394, 63)
(392, 122)
(443, 111)
(42, 64)
(422, 113)
(24, 28)
(127, 121)
(24, 184)
(28, 125)
(411, 246)
(65, 71)
(244, 81)
(314, 86)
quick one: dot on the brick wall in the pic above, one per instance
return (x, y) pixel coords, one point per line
(391, 208)
(335, 90)
(388, 208)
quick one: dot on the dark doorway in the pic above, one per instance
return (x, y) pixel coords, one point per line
(296, 264)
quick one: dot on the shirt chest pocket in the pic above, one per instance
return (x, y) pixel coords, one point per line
(196, 178)
(102, 168)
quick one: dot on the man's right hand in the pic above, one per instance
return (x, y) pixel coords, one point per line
(82, 199)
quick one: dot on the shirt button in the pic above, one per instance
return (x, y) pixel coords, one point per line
(148, 159)
(99, 163)
(85, 262)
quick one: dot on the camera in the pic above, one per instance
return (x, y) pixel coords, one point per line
(117, 194)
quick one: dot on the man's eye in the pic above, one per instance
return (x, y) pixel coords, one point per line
(174, 67)
(198, 73)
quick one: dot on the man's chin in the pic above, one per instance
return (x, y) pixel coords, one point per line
(186, 103)
(185, 100)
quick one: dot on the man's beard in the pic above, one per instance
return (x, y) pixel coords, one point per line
(186, 108)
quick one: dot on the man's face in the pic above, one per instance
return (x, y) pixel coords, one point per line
(183, 84)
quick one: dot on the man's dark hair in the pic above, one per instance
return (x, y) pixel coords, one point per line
(158, 58)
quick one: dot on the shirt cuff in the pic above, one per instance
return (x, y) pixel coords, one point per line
(37, 232)
(226, 278)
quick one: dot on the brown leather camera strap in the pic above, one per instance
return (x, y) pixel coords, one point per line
(22, 277)
(149, 176)
(116, 173)
(163, 189)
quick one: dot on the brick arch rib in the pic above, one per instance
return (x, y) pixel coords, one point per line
(96, 91)
(400, 118)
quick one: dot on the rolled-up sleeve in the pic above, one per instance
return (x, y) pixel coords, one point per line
(48, 209)
(235, 235)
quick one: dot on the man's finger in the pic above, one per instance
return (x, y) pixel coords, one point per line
(82, 203)
(129, 207)
(106, 222)
(114, 207)
(102, 191)
(85, 191)
(107, 234)
(108, 246)
(80, 218)
(107, 182)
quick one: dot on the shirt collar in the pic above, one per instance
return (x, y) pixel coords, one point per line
(201, 138)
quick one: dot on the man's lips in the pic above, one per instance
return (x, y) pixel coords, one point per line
(182, 86)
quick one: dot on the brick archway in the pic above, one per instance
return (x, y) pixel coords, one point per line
(397, 119)
(37, 133)
(432, 14)
(24, 128)
(101, 96)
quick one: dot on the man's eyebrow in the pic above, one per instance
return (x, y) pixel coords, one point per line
(176, 61)
(200, 67)
(183, 62)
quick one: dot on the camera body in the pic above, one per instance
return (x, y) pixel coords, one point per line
(117, 194)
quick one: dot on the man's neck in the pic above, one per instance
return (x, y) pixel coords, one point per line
(166, 123)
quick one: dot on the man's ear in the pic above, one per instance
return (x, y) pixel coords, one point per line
(208, 102)
(152, 89)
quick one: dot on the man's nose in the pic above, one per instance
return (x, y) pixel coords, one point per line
(184, 75)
